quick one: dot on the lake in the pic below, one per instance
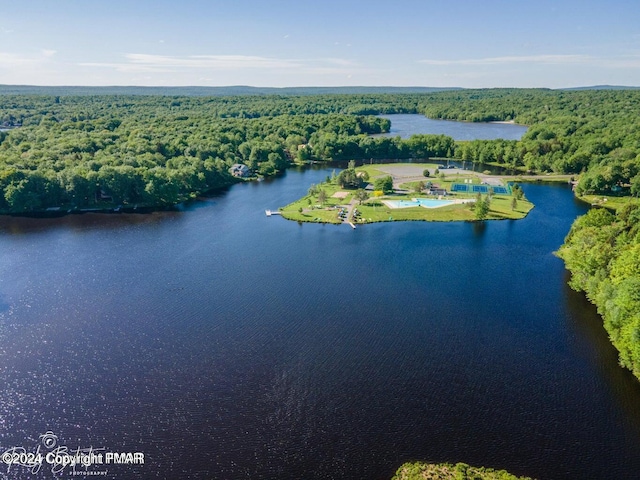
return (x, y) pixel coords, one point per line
(225, 344)
(405, 125)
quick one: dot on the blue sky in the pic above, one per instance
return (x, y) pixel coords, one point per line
(464, 43)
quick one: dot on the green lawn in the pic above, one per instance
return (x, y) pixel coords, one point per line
(500, 209)
(313, 216)
(313, 210)
(544, 178)
(374, 169)
(612, 203)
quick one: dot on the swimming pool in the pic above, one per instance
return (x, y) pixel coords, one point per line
(418, 202)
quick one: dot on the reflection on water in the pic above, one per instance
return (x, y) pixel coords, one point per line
(10, 225)
(595, 344)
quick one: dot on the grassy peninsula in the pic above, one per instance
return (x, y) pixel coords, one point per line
(391, 192)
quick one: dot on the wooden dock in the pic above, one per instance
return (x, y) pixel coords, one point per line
(271, 212)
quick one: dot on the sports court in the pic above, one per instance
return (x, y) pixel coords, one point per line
(474, 188)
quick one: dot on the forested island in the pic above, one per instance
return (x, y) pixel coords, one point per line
(67, 152)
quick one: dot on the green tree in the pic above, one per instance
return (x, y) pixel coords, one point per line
(162, 187)
(384, 184)
(481, 209)
(361, 195)
(635, 185)
(517, 192)
(21, 198)
(322, 196)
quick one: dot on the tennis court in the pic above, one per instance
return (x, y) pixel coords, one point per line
(466, 188)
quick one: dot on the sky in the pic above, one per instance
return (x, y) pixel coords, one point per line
(289, 43)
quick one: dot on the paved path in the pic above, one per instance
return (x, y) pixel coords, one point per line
(350, 207)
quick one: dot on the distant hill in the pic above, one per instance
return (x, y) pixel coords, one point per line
(242, 90)
(208, 91)
(602, 87)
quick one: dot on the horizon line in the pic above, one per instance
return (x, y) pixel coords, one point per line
(601, 86)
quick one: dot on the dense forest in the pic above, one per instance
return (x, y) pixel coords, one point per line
(76, 149)
(602, 251)
(87, 151)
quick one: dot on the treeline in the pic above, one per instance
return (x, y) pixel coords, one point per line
(31, 109)
(85, 151)
(602, 251)
(208, 91)
(88, 152)
(592, 131)
(87, 159)
(332, 146)
(570, 131)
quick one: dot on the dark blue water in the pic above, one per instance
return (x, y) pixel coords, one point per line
(225, 344)
(405, 125)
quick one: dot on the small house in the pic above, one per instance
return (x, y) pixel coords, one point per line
(240, 170)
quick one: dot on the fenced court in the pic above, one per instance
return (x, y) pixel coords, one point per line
(474, 188)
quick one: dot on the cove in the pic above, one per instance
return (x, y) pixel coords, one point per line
(222, 343)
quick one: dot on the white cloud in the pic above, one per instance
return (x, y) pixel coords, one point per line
(140, 62)
(339, 61)
(147, 63)
(10, 60)
(544, 59)
(13, 60)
